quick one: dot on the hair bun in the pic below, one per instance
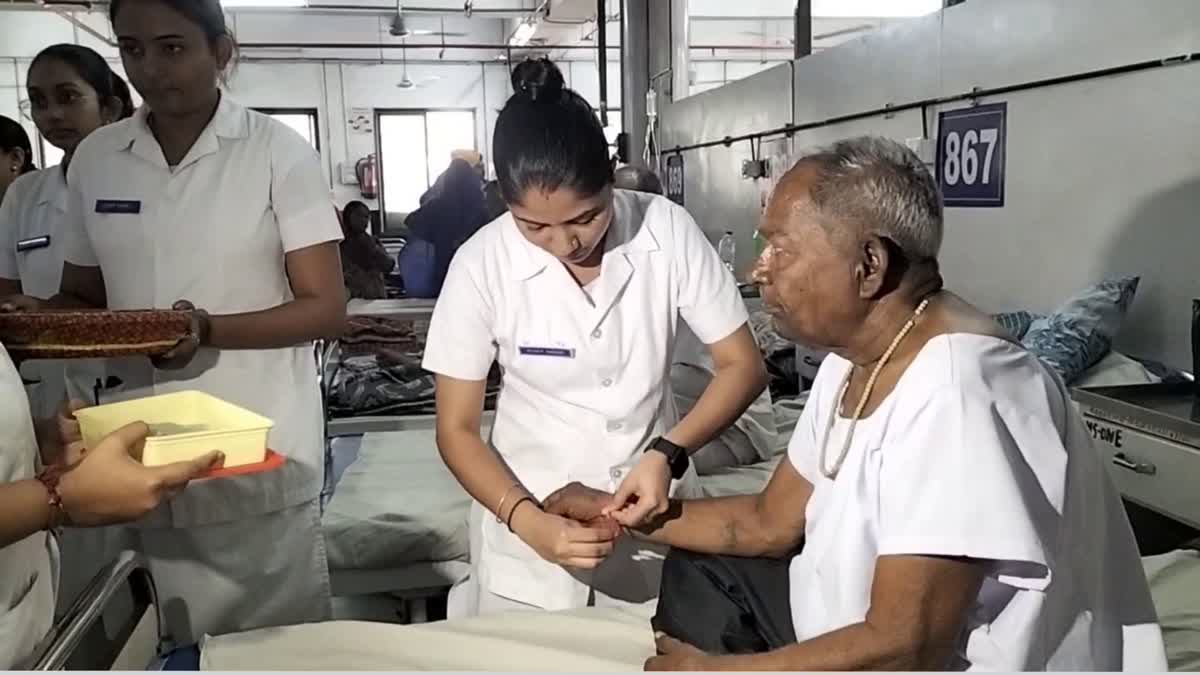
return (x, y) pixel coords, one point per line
(539, 80)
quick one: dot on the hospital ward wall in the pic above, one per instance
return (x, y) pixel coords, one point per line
(1103, 174)
(331, 86)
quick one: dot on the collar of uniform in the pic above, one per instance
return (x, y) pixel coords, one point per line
(229, 121)
(52, 188)
(628, 233)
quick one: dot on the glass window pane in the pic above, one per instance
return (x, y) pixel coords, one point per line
(449, 130)
(51, 156)
(403, 161)
(303, 123)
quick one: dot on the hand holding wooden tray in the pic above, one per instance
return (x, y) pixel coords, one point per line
(89, 334)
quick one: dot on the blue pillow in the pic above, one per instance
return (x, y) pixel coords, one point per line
(1016, 323)
(1078, 334)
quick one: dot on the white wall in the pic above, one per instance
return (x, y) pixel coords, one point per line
(1103, 175)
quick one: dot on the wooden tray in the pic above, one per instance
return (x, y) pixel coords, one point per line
(87, 334)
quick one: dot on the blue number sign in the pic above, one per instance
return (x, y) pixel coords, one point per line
(675, 178)
(971, 154)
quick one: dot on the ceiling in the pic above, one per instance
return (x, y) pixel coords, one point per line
(481, 30)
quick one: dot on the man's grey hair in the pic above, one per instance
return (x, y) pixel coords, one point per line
(882, 187)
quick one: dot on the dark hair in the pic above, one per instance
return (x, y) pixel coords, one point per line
(13, 136)
(207, 14)
(350, 206)
(493, 201)
(93, 69)
(548, 137)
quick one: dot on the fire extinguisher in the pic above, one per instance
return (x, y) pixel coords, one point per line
(368, 178)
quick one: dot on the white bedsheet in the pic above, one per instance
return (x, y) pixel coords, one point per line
(589, 640)
(585, 640)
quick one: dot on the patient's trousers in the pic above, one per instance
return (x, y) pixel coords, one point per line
(725, 605)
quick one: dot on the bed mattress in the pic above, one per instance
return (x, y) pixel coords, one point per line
(396, 505)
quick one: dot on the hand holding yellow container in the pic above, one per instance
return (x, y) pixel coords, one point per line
(186, 425)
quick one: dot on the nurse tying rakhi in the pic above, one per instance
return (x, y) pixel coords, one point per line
(576, 292)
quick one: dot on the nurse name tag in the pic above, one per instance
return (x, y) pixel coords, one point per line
(557, 352)
(125, 206)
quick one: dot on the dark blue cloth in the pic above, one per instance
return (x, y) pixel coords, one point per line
(184, 658)
(452, 211)
(418, 268)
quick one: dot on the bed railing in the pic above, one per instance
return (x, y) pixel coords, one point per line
(79, 641)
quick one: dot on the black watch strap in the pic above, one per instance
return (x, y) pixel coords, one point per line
(677, 456)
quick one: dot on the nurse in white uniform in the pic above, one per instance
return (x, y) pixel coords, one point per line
(72, 92)
(43, 488)
(576, 292)
(197, 198)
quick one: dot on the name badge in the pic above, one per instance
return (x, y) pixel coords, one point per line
(123, 206)
(557, 352)
(33, 243)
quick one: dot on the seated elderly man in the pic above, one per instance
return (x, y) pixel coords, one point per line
(942, 506)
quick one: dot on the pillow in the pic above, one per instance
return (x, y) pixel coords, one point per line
(1078, 334)
(1016, 323)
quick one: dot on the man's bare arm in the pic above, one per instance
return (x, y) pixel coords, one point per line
(769, 524)
(919, 607)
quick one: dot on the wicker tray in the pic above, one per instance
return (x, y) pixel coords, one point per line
(75, 334)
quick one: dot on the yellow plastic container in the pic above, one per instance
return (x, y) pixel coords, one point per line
(183, 425)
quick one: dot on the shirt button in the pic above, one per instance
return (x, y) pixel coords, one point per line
(596, 334)
(606, 383)
(616, 474)
(614, 426)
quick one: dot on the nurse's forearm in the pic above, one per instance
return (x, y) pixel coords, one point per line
(26, 509)
(292, 323)
(481, 471)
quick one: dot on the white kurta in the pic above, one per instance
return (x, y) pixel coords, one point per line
(31, 251)
(214, 230)
(28, 568)
(586, 383)
(977, 453)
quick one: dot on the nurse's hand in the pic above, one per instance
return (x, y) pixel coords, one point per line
(183, 353)
(564, 541)
(110, 485)
(21, 303)
(643, 494)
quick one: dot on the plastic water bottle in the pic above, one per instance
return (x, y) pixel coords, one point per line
(727, 250)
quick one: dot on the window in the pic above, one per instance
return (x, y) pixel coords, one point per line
(303, 120)
(414, 149)
(51, 156)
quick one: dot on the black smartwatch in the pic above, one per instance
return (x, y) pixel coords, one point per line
(677, 456)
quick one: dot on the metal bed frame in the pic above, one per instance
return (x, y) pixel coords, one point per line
(79, 639)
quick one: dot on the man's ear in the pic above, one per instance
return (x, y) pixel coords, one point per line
(873, 265)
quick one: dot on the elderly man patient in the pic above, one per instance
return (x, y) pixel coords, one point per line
(941, 506)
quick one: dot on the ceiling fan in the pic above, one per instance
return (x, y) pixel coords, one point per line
(408, 83)
(399, 27)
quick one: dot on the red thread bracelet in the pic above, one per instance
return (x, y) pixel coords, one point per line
(49, 478)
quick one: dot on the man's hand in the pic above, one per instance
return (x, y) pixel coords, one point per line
(676, 655)
(643, 493)
(59, 438)
(182, 354)
(578, 502)
(21, 303)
